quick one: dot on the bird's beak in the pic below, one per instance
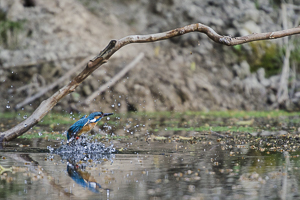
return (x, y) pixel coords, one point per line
(107, 114)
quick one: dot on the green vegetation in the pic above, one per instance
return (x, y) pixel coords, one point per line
(223, 114)
(266, 55)
(140, 123)
(58, 136)
(67, 119)
(215, 128)
(45, 135)
(295, 53)
(9, 31)
(248, 114)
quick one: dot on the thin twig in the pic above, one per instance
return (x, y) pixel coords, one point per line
(114, 79)
(44, 90)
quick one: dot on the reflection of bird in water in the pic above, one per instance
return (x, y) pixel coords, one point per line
(83, 178)
(85, 124)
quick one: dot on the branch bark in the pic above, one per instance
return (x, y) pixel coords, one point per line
(114, 46)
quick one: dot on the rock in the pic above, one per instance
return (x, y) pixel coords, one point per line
(266, 82)
(75, 96)
(95, 84)
(297, 94)
(273, 133)
(191, 85)
(217, 21)
(274, 82)
(86, 90)
(3, 76)
(120, 88)
(224, 83)
(290, 106)
(261, 77)
(267, 9)
(15, 11)
(231, 32)
(254, 134)
(242, 70)
(271, 98)
(245, 67)
(250, 15)
(5, 55)
(249, 27)
(253, 87)
(261, 74)
(149, 103)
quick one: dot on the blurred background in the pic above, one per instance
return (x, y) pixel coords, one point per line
(40, 41)
(245, 148)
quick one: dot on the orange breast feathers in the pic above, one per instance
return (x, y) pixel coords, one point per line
(87, 128)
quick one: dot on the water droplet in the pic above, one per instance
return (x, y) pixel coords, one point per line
(113, 106)
(25, 117)
(8, 106)
(119, 104)
(25, 125)
(40, 134)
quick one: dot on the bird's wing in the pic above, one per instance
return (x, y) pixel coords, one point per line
(83, 117)
(77, 126)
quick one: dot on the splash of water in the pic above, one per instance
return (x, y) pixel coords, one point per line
(84, 150)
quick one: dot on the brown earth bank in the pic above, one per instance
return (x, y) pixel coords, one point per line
(42, 40)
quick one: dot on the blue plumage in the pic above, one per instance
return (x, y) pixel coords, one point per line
(83, 178)
(76, 127)
(85, 124)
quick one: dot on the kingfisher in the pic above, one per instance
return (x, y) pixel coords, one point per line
(84, 125)
(82, 177)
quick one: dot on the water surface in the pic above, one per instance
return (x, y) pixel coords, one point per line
(161, 161)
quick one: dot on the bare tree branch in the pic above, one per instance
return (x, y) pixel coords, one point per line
(114, 46)
(282, 92)
(114, 79)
